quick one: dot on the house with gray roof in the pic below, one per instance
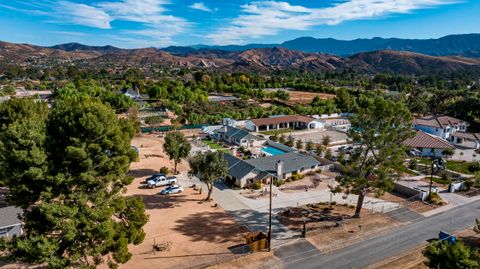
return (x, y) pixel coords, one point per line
(10, 223)
(237, 136)
(246, 172)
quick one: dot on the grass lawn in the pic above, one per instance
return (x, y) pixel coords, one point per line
(458, 166)
(215, 146)
(279, 131)
(424, 161)
(407, 171)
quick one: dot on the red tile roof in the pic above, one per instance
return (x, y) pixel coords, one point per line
(467, 136)
(437, 121)
(424, 140)
(282, 119)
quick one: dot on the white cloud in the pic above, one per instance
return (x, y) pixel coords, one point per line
(82, 14)
(149, 18)
(200, 6)
(268, 18)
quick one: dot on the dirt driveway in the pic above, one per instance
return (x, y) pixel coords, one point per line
(197, 232)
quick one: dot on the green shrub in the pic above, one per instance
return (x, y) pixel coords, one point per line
(435, 198)
(318, 171)
(412, 164)
(164, 170)
(278, 182)
(154, 120)
(469, 183)
(474, 167)
(296, 176)
(257, 185)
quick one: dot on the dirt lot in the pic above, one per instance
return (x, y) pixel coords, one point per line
(306, 182)
(331, 227)
(196, 231)
(316, 136)
(417, 206)
(299, 97)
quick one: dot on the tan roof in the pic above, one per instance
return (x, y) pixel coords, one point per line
(424, 140)
(467, 136)
(437, 121)
(282, 119)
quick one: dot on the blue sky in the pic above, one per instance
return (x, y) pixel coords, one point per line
(160, 23)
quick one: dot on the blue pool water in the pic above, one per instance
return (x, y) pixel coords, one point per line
(272, 151)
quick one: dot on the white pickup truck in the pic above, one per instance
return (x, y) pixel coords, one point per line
(159, 181)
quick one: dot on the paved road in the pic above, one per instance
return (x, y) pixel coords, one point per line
(396, 241)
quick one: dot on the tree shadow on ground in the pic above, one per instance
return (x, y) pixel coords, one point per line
(216, 227)
(157, 201)
(141, 172)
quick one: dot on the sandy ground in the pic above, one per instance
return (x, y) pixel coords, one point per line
(326, 236)
(299, 97)
(316, 136)
(306, 182)
(417, 206)
(198, 232)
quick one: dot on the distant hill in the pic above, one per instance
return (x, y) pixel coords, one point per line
(81, 47)
(263, 60)
(464, 45)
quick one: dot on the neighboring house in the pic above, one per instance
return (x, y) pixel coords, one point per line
(283, 122)
(430, 145)
(10, 224)
(236, 136)
(461, 137)
(130, 92)
(441, 126)
(246, 172)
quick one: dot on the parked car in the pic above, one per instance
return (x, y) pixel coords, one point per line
(161, 181)
(346, 149)
(153, 176)
(414, 153)
(172, 189)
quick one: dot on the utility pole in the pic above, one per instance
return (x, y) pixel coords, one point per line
(431, 177)
(270, 218)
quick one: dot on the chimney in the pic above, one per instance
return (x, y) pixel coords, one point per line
(279, 169)
(225, 128)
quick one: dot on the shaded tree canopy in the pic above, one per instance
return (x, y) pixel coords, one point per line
(209, 167)
(68, 176)
(176, 147)
(379, 128)
(444, 255)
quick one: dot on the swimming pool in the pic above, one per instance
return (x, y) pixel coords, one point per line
(272, 151)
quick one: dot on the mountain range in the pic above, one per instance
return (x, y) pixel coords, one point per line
(465, 45)
(447, 54)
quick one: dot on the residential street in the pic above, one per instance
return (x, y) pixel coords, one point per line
(378, 248)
